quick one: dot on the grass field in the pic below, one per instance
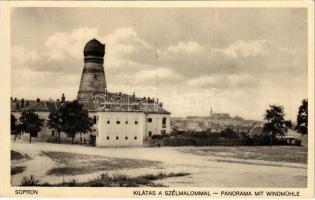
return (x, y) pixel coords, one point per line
(290, 154)
(73, 163)
(105, 180)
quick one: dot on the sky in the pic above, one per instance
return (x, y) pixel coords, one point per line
(235, 60)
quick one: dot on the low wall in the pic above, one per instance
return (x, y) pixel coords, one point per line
(219, 141)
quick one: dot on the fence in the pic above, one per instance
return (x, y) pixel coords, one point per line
(189, 141)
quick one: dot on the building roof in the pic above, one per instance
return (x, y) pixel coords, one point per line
(257, 131)
(149, 108)
(48, 106)
(292, 134)
(16, 104)
(94, 48)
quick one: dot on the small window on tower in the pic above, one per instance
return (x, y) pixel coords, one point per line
(126, 138)
(95, 76)
(117, 138)
(149, 119)
(107, 138)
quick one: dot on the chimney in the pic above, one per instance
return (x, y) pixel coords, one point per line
(63, 98)
(11, 98)
(15, 99)
(22, 103)
(17, 105)
(27, 103)
(38, 100)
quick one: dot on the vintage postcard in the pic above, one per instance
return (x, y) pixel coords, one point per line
(182, 99)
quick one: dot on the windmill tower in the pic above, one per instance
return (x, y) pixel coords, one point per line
(93, 80)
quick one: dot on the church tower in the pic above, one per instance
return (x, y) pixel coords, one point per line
(93, 80)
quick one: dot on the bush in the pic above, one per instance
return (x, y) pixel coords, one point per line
(30, 181)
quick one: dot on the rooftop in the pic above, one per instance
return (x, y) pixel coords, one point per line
(127, 103)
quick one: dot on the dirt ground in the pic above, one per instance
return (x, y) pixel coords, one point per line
(207, 166)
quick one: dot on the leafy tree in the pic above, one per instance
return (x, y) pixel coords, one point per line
(55, 122)
(75, 119)
(31, 123)
(288, 124)
(13, 123)
(229, 133)
(302, 118)
(275, 124)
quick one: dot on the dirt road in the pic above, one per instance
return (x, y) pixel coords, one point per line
(205, 170)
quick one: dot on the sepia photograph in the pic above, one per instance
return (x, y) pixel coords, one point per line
(160, 97)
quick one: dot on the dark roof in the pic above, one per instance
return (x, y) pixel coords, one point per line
(94, 48)
(16, 105)
(36, 106)
(150, 108)
(48, 106)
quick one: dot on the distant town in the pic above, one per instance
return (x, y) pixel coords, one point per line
(215, 122)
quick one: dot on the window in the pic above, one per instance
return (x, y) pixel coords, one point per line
(95, 76)
(94, 119)
(117, 138)
(52, 133)
(107, 138)
(150, 133)
(126, 122)
(136, 122)
(117, 122)
(135, 137)
(149, 119)
(108, 122)
(164, 122)
(126, 138)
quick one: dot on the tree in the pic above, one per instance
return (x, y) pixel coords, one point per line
(75, 119)
(275, 124)
(31, 123)
(13, 122)
(55, 122)
(302, 118)
(229, 133)
(288, 124)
